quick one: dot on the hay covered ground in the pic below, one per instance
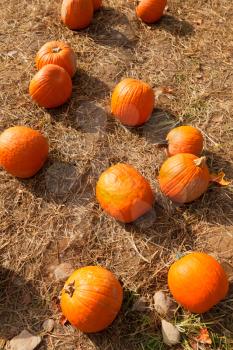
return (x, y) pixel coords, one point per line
(54, 218)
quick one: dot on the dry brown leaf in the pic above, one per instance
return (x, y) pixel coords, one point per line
(219, 178)
(204, 337)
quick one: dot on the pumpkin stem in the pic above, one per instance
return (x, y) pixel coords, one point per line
(200, 161)
(70, 289)
(56, 49)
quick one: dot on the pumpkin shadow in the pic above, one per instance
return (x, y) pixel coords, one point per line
(21, 304)
(60, 182)
(85, 88)
(174, 26)
(111, 27)
(130, 330)
(157, 127)
(223, 313)
(215, 206)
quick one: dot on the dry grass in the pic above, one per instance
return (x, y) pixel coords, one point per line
(54, 217)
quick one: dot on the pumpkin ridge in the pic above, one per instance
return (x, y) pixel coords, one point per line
(177, 180)
(101, 301)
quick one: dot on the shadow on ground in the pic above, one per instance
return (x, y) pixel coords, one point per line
(111, 27)
(157, 127)
(131, 330)
(215, 206)
(20, 304)
(174, 26)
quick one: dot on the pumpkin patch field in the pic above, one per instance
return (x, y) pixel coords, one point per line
(116, 148)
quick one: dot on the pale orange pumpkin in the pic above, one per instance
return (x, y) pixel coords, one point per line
(185, 139)
(97, 4)
(132, 102)
(91, 298)
(77, 14)
(184, 177)
(59, 53)
(23, 151)
(124, 193)
(51, 86)
(150, 11)
(198, 282)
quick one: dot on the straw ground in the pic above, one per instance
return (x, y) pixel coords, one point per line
(54, 218)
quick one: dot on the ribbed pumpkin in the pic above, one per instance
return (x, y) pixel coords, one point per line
(51, 86)
(77, 14)
(57, 52)
(132, 102)
(124, 193)
(184, 177)
(23, 151)
(91, 299)
(97, 4)
(185, 139)
(198, 282)
(150, 11)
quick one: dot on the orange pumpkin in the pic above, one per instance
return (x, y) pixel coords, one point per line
(77, 14)
(23, 151)
(124, 193)
(184, 177)
(185, 139)
(51, 86)
(198, 282)
(97, 4)
(132, 102)
(91, 299)
(57, 52)
(150, 11)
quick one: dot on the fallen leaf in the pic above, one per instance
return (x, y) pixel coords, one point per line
(219, 178)
(204, 337)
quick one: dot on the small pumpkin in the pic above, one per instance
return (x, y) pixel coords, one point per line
(51, 86)
(57, 52)
(150, 11)
(23, 151)
(132, 102)
(77, 14)
(184, 177)
(91, 298)
(198, 282)
(124, 193)
(185, 139)
(97, 4)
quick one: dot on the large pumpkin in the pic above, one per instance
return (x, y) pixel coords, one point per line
(184, 177)
(198, 282)
(97, 4)
(51, 86)
(150, 11)
(57, 52)
(91, 299)
(23, 151)
(77, 14)
(184, 139)
(124, 193)
(132, 102)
